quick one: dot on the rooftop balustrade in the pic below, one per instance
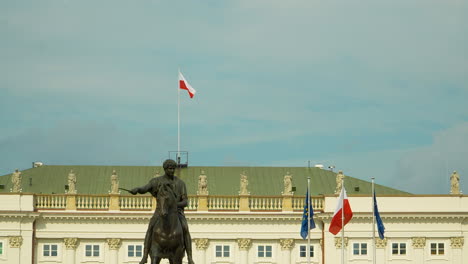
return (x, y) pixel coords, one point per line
(113, 202)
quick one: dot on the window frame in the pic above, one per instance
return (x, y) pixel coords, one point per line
(399, 249)
(437, 248)
(134, 251)
(93, 245)
(265, 251)
(223, 251)
(50, 250)
(360, 249)
(311, 250)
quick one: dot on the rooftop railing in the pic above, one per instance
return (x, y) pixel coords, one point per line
(115, 202)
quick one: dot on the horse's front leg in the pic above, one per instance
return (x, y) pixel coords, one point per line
(155, 260)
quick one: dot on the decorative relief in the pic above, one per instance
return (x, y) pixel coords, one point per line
(15, 241)
(202, 243)
(338, 242)
(244, 243)
(380, 243)
(457, 242)
(287, 244)
(418, 242)
(71, 243)
(114, 243)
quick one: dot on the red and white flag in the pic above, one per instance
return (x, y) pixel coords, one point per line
(343, 204)
(184, 85)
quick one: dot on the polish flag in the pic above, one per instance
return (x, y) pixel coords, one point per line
(343, 204)
(184, 85)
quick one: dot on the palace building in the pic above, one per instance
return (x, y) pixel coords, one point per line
(240, 215)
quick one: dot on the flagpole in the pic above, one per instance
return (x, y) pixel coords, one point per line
(178, 125)
(373, 222)
(342, 222)
(308, 220)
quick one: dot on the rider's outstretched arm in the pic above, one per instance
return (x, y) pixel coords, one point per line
(143, 189)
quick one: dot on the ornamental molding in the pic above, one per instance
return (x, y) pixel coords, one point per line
(244, 243)
(380, 243)
(367, 218)
(287, 244)
(71, 242)
(418, 242)
(457, 242)
(15, 241)
(338, 242)
(202, 243)
(114, 243)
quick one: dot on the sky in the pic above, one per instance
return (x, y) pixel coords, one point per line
(374, 88)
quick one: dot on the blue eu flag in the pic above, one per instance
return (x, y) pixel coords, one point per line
(380, 226)
(307, 208)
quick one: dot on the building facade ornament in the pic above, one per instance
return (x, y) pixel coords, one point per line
(287, 244)
(71, 242)
(457, 242)
(114, 243)
(114, 183)
(287, 180)
(339, 182)
(16, 181)
(338, 242)
(202, 184)
(244, 243)
(244, 182)
(455, 183)
(71, 182)
(15, 241)
(380, 243)
(202, 243)
(418, 242)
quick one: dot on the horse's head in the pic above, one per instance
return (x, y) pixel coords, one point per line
(166, 198)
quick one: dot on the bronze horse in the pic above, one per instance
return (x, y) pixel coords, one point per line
(167, 237)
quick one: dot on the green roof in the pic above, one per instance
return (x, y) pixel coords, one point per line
(49, 179)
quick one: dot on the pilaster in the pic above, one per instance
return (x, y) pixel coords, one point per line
(244, 246)
(202, 244)
(286, 246)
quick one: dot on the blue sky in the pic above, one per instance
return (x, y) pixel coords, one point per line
(377, 89)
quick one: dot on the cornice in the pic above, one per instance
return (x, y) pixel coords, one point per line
(398, 217)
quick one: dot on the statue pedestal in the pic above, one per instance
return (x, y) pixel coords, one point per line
(114, 202)
(71, 202)
(202, 203)
(244, 202)
(287, 203)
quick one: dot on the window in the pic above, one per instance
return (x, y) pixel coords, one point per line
(222, 251)
(1, 248)
(264, 251)
(398, 248)
(359, 249)
(50, 250)
(92, 250)
(303, 251)
(437, 249)
(135, 251)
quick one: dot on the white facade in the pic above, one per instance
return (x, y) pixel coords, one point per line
(419, 229)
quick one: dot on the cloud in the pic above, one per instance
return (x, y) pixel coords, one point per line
(428, 169)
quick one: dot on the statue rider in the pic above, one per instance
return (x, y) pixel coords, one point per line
(181, 192)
